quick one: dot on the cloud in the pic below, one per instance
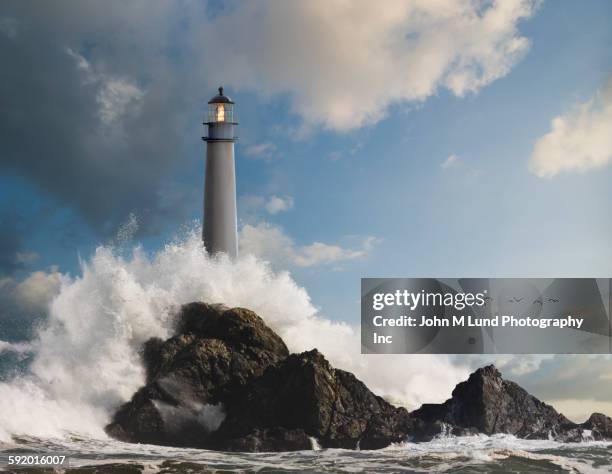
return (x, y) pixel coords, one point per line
(251, 206)
(110, 93)
(272, 244)
(261, 151)
(450, 162)
(278, 204)
(106, 100)
(24, 303)
(115, 96)
(319, 253)
(343, 64)
(579, 140)
(34, 293)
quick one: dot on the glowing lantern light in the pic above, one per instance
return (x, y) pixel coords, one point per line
(220, 113)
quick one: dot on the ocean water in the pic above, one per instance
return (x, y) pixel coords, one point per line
(59, 388)
(478, 454)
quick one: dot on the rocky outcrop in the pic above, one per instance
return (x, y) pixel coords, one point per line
(600, 426)
(304, 392)
(226, 381)
(486, 403)
(191, 375)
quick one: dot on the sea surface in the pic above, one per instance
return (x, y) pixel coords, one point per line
(479, 454)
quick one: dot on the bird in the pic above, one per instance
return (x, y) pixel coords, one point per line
(553, 300)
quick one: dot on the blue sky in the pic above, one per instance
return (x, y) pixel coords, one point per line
(485, 214)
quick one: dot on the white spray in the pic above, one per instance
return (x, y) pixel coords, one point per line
(86, 359)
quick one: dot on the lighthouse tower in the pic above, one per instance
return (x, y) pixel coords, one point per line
(220, 224)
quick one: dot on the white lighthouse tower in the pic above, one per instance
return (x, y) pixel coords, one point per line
(220, 223)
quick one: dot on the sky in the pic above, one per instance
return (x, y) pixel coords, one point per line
(426, 138)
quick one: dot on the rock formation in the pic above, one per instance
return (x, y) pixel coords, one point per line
(216, 352)
(600, 426)
(305, 393)
(486, 403)
(226, 381)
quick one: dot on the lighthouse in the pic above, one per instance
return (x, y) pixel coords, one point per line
(219, 231)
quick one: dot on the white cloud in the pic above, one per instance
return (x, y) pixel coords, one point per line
(36, 291)
(579, 140)
(251, 206)
(343, 64)
(338, 65)
(450, 162)
(25, 302)
(115, 97)
(261, 151)
(272, 244)
(319, 253)
(278, 204)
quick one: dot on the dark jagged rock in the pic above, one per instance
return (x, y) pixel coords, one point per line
(216, 353)
(238, 327)
(305, 392)
(226, 381)
(486, 403)
(227, 364)
(600, 426)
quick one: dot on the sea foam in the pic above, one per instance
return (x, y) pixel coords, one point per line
(86, 358)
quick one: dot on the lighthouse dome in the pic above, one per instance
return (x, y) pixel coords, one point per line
(220, 98)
